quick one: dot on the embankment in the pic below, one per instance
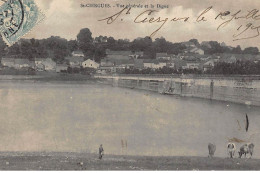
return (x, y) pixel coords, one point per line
(237, 89)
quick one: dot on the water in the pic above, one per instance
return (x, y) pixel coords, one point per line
(41, 116)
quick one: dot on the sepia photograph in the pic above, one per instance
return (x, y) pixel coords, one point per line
(129, 85)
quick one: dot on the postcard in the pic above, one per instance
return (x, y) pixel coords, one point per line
(129, 85)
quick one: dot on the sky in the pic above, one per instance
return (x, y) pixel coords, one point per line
(65, 18)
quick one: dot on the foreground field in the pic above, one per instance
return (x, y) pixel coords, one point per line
(81, 161)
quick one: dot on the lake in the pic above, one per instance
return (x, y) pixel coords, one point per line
(78, 117)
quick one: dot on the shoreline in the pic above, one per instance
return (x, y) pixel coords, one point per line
(87, 161)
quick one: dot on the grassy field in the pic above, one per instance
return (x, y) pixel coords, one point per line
(81, 161)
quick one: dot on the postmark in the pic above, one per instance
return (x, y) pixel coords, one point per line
(17, 18)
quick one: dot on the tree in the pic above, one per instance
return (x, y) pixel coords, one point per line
(57, 48)
(160, 44)
(14, 49)
(237, 50)
(111, 41)
(72, 45)
(85, 41)
(251, 50)
(2, 47)
(27, 49)
(195, 41)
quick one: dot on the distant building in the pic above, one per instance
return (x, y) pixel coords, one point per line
(110, 65)
(7, 62)
(194, 50)
(61, 68)
(77, 53)
(197, 50)
(22, 63)
(137, 54)
(189, 44)
(39, 64)
(163, 56)
(90, 64)
(74, 62)
(193, 65)
(45, 64)
(154, 63)
(170, 64)
(187, 56)
(179, 64)
(106, 62)
(138, 64)
(123, 54)
(209, 64)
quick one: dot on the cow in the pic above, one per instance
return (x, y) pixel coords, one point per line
(231, 148)
(212, 149)
(245, 149)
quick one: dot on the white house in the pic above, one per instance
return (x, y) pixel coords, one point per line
(77, 53)
(90, 64)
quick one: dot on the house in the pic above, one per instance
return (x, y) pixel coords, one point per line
(39, 64)
(137, 54)
(138, 64)
(197, 51)
(106, 69)
(90, 64)
(49, 64)
(193, 65)
(194, 50)
(229, 58)
(22, 63)
(110, 65)
(187, 56)
(170, 64)
(74, 62)
(45, 64)
(189, 44)
(164, 56)
(179, 64)
(77, 53)
(209, 64)
(154, 63)
(106, 62)
(7, 62)
(123, 54)
(61, 68)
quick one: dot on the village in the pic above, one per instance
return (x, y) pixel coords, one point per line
(192, 59)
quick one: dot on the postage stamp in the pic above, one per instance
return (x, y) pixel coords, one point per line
(17, 18)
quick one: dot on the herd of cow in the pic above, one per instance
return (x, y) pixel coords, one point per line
(231, 148)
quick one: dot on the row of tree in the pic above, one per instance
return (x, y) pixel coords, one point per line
(58, 48)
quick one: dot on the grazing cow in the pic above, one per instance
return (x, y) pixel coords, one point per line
(245, 149)
(231, 148)
(212, 149)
